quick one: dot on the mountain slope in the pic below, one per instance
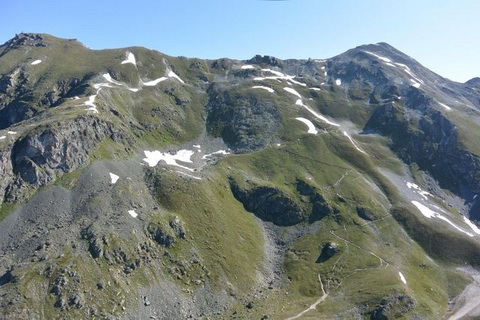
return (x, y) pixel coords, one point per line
(139, 185)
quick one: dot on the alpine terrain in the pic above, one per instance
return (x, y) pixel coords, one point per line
(135, 185)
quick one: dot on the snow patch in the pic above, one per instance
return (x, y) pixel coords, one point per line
(109, 78)
(247, 66)
(429, 213)
(3, 137)
(424, 194)
(132, 213)
(91, 103)
(172, 74)
(471, 225)
(315, 89)
(353, 142)
(277, 73)
(130, 59)
(36, 62)
(197, 146)
(402, 278)
(113, 178)
(224, 152)
(152, 158)
(445, 106)
(264, 88)
(415, 83)
(279, 76)
(154, 82)
(12, 132)
(292, 91)
(379, 57)
(317, 115)
(338, 82)
(311, 127)
(101, 85)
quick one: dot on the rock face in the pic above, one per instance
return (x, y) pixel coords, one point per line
(270, 204)
(245, 123)
(160, 235)
(39, 157)
(455, 168)
(328, 250)
(366, 214)
(393, 307)
(6, 172)
(277, 206)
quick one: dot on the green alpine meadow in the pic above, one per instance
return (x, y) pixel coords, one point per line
(137, 185)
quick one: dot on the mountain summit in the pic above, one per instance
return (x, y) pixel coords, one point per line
(136, 185)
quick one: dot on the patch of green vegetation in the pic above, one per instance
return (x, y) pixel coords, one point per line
(68, 180)
(109, 150)
(6, 209)
(232, 247)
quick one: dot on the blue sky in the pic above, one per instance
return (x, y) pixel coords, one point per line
(442, 35)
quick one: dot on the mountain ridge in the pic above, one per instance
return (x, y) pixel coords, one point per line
(233, 188)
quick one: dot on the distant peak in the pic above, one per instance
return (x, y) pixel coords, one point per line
(474, 82)
(34, 40)
(385, 45)
(26, 39)
(272, 61)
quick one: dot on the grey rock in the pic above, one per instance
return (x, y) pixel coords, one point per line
(329, 250)
(178, 228)
(393, 307)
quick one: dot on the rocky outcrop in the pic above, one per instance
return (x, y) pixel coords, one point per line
(329, 249)
(366, 214)
(320, 207)
(278, 206)
(268, 60)
(441, 151)
(6, 172)
(393, 307)
(39, 157)
(26, 39)
(160, 235)
(45, 153)
(270, 204)
(244, 122)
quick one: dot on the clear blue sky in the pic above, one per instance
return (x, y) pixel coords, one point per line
(443, 34)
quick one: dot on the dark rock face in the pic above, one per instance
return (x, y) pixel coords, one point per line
(39, 157)
(320, 206)
(329, 250)
(76, 301)
(455, 168)
(272, 61)
(6, 277)
(178, 228)
(275, 205)
(393, 307)
(26, 39)
(95, 243)
(244, 122)
(474, 83)
(160, 235)
(270, 204)
(366, 214)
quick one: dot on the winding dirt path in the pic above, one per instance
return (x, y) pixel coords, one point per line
(315, 304)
